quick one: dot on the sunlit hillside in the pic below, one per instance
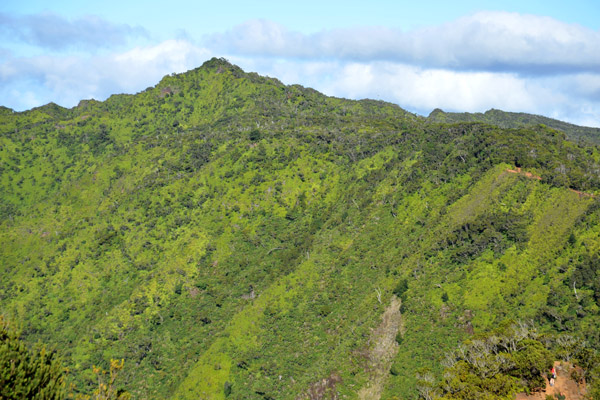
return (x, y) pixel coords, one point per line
(229, 236)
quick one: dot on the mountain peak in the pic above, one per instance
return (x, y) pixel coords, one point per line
(6, 110)
(220, 65)
(217, 63)
(436, 112)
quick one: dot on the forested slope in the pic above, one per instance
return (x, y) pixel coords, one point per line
(504, 119)
(230, 236)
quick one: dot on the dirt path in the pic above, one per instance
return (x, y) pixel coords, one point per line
(564, 385)
(582, 194)
(383, 350)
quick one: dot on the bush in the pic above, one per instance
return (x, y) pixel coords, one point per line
(401, 288)
(255, 135)
(399, 338)
(227, 389)
(445, 297)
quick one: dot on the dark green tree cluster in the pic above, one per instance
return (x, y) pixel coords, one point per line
(497, 366)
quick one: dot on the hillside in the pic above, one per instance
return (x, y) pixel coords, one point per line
(229, 236)
(505, 119)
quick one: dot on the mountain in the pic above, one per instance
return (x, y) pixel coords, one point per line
(505, 119)
(229, 236)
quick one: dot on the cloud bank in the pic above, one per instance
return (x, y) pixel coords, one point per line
(486, 41)
(51, 31)
(486, 60)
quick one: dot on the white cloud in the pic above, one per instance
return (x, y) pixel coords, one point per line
(260, 37)
(413, 87)
(585, 85)
(497, 41)
(54, 32)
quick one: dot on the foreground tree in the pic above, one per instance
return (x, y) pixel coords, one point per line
(28, 374)
(38, 374)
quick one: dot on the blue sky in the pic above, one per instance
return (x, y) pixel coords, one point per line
(541, 57)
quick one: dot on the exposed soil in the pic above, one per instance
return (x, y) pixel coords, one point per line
(564, 384)
(539, 178)
(582, 194)
(325, 388)
(527, 174)
(383, 350)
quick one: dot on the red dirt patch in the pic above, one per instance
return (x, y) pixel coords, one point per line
(527, 174)
(564, 384)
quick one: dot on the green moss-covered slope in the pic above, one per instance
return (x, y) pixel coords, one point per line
(233, 237)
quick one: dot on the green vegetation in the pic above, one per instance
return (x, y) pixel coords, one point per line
(107, 387)
(501, 363)
(26, 374)
(232, 237)
(497, 366)
(505, 119)
(39, 374)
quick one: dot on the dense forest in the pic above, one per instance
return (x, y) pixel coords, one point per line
(228, 236)
(505, 119)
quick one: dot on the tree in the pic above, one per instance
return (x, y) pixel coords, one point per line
(28, 374)
(426, 385)
(107, 389)
(532, 360)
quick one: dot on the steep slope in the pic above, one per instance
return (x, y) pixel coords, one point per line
(505, 119)
(228, 235)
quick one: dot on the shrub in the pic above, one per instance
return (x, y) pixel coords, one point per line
(401, 288)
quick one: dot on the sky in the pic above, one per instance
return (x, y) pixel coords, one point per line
(540, 57)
